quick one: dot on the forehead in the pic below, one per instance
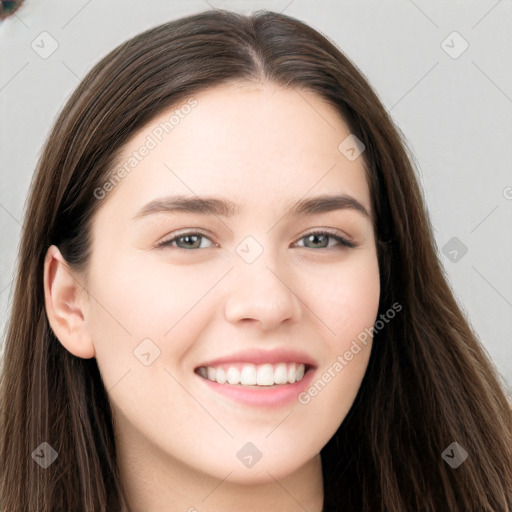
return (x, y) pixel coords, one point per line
(252, 142)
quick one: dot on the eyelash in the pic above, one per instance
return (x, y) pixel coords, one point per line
(342, 241)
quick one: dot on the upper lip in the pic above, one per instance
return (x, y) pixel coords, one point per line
(259, 356)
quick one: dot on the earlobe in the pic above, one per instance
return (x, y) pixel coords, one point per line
(64, 305)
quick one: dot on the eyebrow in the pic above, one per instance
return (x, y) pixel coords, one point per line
(208, 205)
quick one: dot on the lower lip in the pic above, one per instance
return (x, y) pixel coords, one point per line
(265, 397)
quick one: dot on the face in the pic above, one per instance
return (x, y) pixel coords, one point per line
(252, 291)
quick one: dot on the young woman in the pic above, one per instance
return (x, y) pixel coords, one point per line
(229, 296)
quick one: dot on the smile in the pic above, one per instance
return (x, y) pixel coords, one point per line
(246, 374)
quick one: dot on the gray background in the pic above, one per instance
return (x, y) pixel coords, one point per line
(454, 107)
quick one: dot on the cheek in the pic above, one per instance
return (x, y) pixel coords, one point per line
(135, 301)
(347, 305)
(346, 298)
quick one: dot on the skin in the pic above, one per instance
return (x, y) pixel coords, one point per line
(264, 147)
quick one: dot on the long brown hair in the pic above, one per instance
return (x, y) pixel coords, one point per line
(428, 384)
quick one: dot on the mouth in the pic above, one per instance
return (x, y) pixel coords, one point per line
(255, 376)
(266, 385)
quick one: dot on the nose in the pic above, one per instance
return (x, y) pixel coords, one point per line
(261, 293)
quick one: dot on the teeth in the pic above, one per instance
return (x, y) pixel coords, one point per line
(299, 373)
(220, 375)
(281, 374)
(291, 373)
(247, 375)
(233, 375)
(251, 375)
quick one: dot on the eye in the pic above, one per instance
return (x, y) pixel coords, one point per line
(321, 236)
(190, 240)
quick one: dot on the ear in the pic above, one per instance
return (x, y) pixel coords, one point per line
(64, 303)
